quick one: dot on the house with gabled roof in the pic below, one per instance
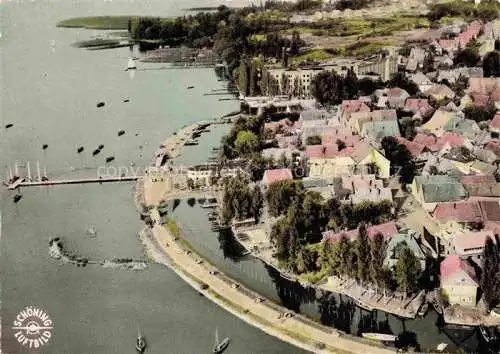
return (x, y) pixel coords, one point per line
(396, 245)
(388, 230)
(276, 175)
(414, 148)
(327, 161)
(436, 124)
(351, 106)
(380, 129)
(440, 92)
(418, 105)
(495, 123)
(485, 88)
(471, 244)
(433, 189)
(394, 97)
(358, 119)
(459, 282)
(422, 81)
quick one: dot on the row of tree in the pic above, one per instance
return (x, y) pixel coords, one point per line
(363, 260)
(241, 202)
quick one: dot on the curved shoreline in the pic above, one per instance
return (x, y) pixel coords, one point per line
(240, 301)
(175, 253)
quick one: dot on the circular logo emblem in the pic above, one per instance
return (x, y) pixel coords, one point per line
(32, 327)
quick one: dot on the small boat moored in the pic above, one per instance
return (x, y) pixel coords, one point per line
(100, 147)
(380, 336)
(110, 158)
(17, 198)
(121, 132)
(140, 344)
(423, 309)
(10, 125)
(190, 87)
(80, 149)
(45, 146)
(219, 347)
(100, 104)
(95, 152)
(131, 64)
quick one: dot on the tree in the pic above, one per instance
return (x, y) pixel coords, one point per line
(313, 140)
(401, 80)
(377, 255)
(282, 195)
(480, 114)
(340, 145)
(490, 281)
(468, 57)
(407, 271)
(246, 142)
(363, 254)
(491, 64)
(351, 84)
(400, 158)
(244, 77)
(257, 203)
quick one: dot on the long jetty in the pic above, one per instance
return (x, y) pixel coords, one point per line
(24, 183)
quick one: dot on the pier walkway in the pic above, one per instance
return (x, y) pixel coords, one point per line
(25, 183)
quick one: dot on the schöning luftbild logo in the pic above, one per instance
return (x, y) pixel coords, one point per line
(32, 327)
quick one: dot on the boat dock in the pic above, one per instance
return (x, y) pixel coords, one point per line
(21, 182)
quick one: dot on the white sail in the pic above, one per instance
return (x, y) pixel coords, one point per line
(131, 64)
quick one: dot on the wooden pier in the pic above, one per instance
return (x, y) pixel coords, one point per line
(24, 183)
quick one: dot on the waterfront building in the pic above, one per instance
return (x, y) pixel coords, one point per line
(399, 242)
(276, 175)
(459, 282)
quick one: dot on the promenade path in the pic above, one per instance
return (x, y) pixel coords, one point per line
(296, 329)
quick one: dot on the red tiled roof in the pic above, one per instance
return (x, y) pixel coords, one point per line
(452, 264)
(424, 139)
(414, 148)
(327, 151)
(472, 239)
(494, 145)
(448, 43)
(490, 209)
(476, 179)
(489, 86)
(280, 174)
(479, 99)
(418, 105)
(348, 139)
(388, 229)
(450, 138)
(459, 211)
(350, 106)
(495, 122)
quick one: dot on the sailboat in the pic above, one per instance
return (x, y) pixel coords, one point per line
(140, 344)
(220, 347)
(131, 64)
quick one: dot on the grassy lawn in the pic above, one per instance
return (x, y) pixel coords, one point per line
(102, 22)
(313, 55)
(99, 22)
(363, 48)
(362, 27)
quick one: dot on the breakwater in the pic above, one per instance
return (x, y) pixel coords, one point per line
(58, 251)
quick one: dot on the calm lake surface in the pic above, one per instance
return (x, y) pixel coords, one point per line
(49, 91)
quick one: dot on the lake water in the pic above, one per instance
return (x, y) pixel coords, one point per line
(49, 91)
